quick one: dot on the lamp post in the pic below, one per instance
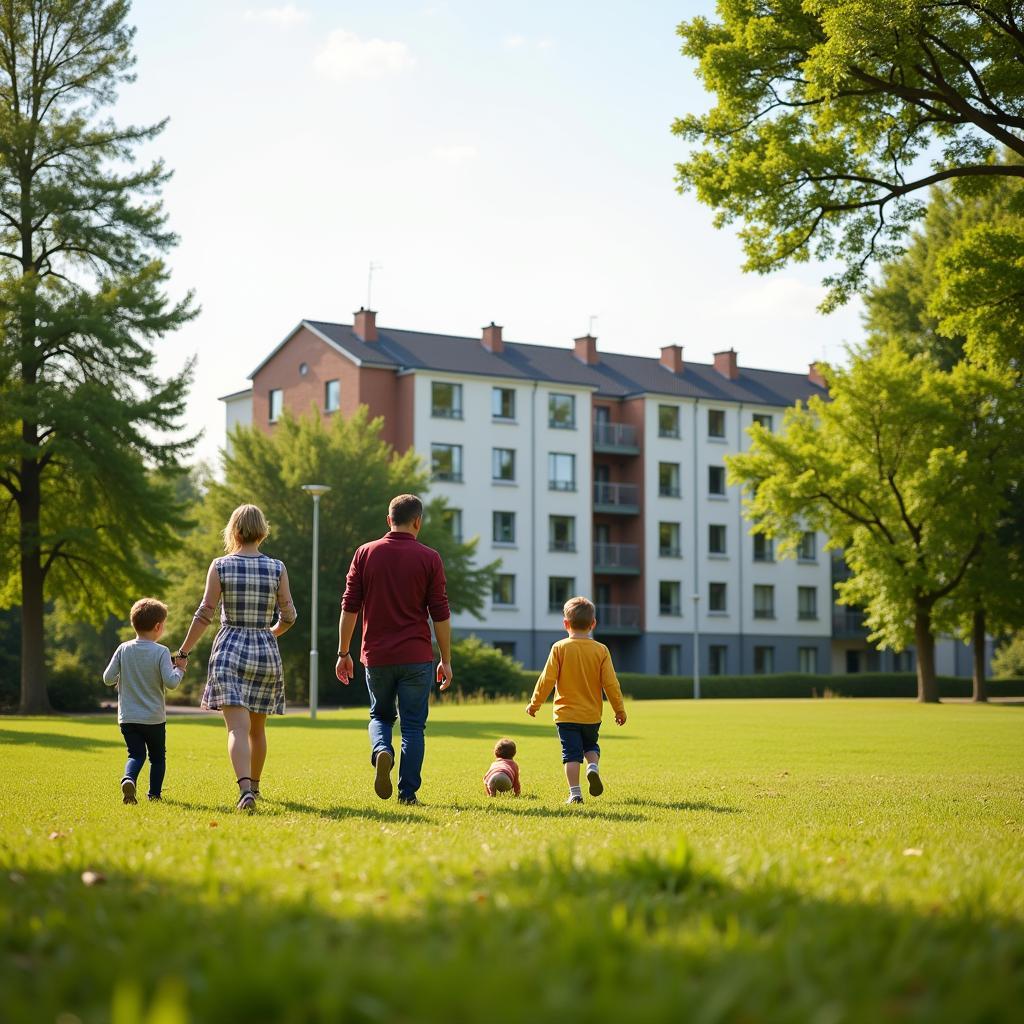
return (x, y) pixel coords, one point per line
(696, 648)
(316, 491)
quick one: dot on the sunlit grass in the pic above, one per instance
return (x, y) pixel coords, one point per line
(750, 861)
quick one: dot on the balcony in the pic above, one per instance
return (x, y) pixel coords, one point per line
(618, 619)
(618, 499)
(616, 439)
(848, 623)
(617, 559)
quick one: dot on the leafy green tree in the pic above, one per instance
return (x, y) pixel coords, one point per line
(827, 114)
(485, 670)
(905, 469)
(364, 474)
(84, 419)
(1008, 661)
(910, 306)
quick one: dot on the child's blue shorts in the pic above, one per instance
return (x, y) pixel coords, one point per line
(577, 740)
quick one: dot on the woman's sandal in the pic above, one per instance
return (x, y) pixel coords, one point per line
(247, 799)
(256, 789)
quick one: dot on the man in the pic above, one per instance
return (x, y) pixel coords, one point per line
(397, 582)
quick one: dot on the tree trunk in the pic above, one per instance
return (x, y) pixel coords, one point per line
(980, 686)
(34, 698)
(924, 641)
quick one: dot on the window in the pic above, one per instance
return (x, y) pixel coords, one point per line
(716, 423)
(560, 589)
(807, 602)
(668, 598)
(562, 412)
(503, 591)
(668, 540)
(276, 404)
(561, 471)
(807, 551)
(764, 660)
(717, 659)
(668, 421)
(503, 464)
(716, 539)
(562, 533)
(332, 395)
(764, 419)
(507, 647)
(670, 659)
(668, 479)
(903, 661)
(503, 403)
(716, 479)
(807, 659)
(764, 602)
(504, 527)
(452, 519)
(764, 548)
(446, 462)
(303, 369)
(446, 400)
(716, 597)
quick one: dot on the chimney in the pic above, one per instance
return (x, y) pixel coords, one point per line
(586, 349)
(492, 338)
(365, 324)
(816, 377)
(725, 364)
(672, 358)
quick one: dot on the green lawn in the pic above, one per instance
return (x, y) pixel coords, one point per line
(818, 861)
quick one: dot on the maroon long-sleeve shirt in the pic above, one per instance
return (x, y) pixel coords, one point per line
(396, 582)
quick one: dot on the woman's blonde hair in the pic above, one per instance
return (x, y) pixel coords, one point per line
(247, 525)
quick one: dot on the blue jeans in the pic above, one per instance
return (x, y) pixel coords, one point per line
(402, 692)
(139, 739)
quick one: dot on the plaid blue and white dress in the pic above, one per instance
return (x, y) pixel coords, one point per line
(245, 663)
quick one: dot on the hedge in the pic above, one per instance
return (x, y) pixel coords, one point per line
(863, 684)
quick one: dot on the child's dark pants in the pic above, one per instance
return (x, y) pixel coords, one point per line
(143, 738)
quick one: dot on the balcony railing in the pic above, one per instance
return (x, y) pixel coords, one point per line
(848, 622)
(617, 558)
(618, 618)
(616, 437)
(624, 498)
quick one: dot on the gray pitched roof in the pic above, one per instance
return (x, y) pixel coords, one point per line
(615, 376)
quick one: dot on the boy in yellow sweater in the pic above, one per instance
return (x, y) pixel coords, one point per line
(578, 669)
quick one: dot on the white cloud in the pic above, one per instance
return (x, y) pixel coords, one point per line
(282, 17)
(459, 153)
(345, 55)
(519, 42)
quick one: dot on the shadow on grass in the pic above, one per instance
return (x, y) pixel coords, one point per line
(680, 805)
(59, 740)
(271, 808)
(642, 939)
(591, 809)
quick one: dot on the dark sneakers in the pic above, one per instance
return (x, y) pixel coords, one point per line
(409, 801)
(383, 764)
(595, 783)
(128, 790)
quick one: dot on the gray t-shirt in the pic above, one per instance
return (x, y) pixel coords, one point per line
(141, 669)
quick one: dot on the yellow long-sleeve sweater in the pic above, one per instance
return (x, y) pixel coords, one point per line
(578, 669)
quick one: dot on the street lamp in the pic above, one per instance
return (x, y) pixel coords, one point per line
(316, 491)
(696, 648)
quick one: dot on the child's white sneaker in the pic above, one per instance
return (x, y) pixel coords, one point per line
(574, 799)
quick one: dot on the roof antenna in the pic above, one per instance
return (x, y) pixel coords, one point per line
(369, 282)
(590, 326)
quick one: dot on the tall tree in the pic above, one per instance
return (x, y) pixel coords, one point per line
(364, 474)
(832, 118)
(84, 418)
(905, 469)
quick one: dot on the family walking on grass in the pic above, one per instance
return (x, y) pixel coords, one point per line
(398, 586)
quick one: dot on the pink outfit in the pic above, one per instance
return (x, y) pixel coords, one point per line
(503, 766)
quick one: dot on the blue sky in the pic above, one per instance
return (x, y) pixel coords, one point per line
(507, 162)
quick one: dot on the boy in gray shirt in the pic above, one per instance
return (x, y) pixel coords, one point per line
(140, 669)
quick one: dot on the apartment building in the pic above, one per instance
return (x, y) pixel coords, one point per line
(584, 472)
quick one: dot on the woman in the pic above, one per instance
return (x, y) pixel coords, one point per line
(244, 678)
